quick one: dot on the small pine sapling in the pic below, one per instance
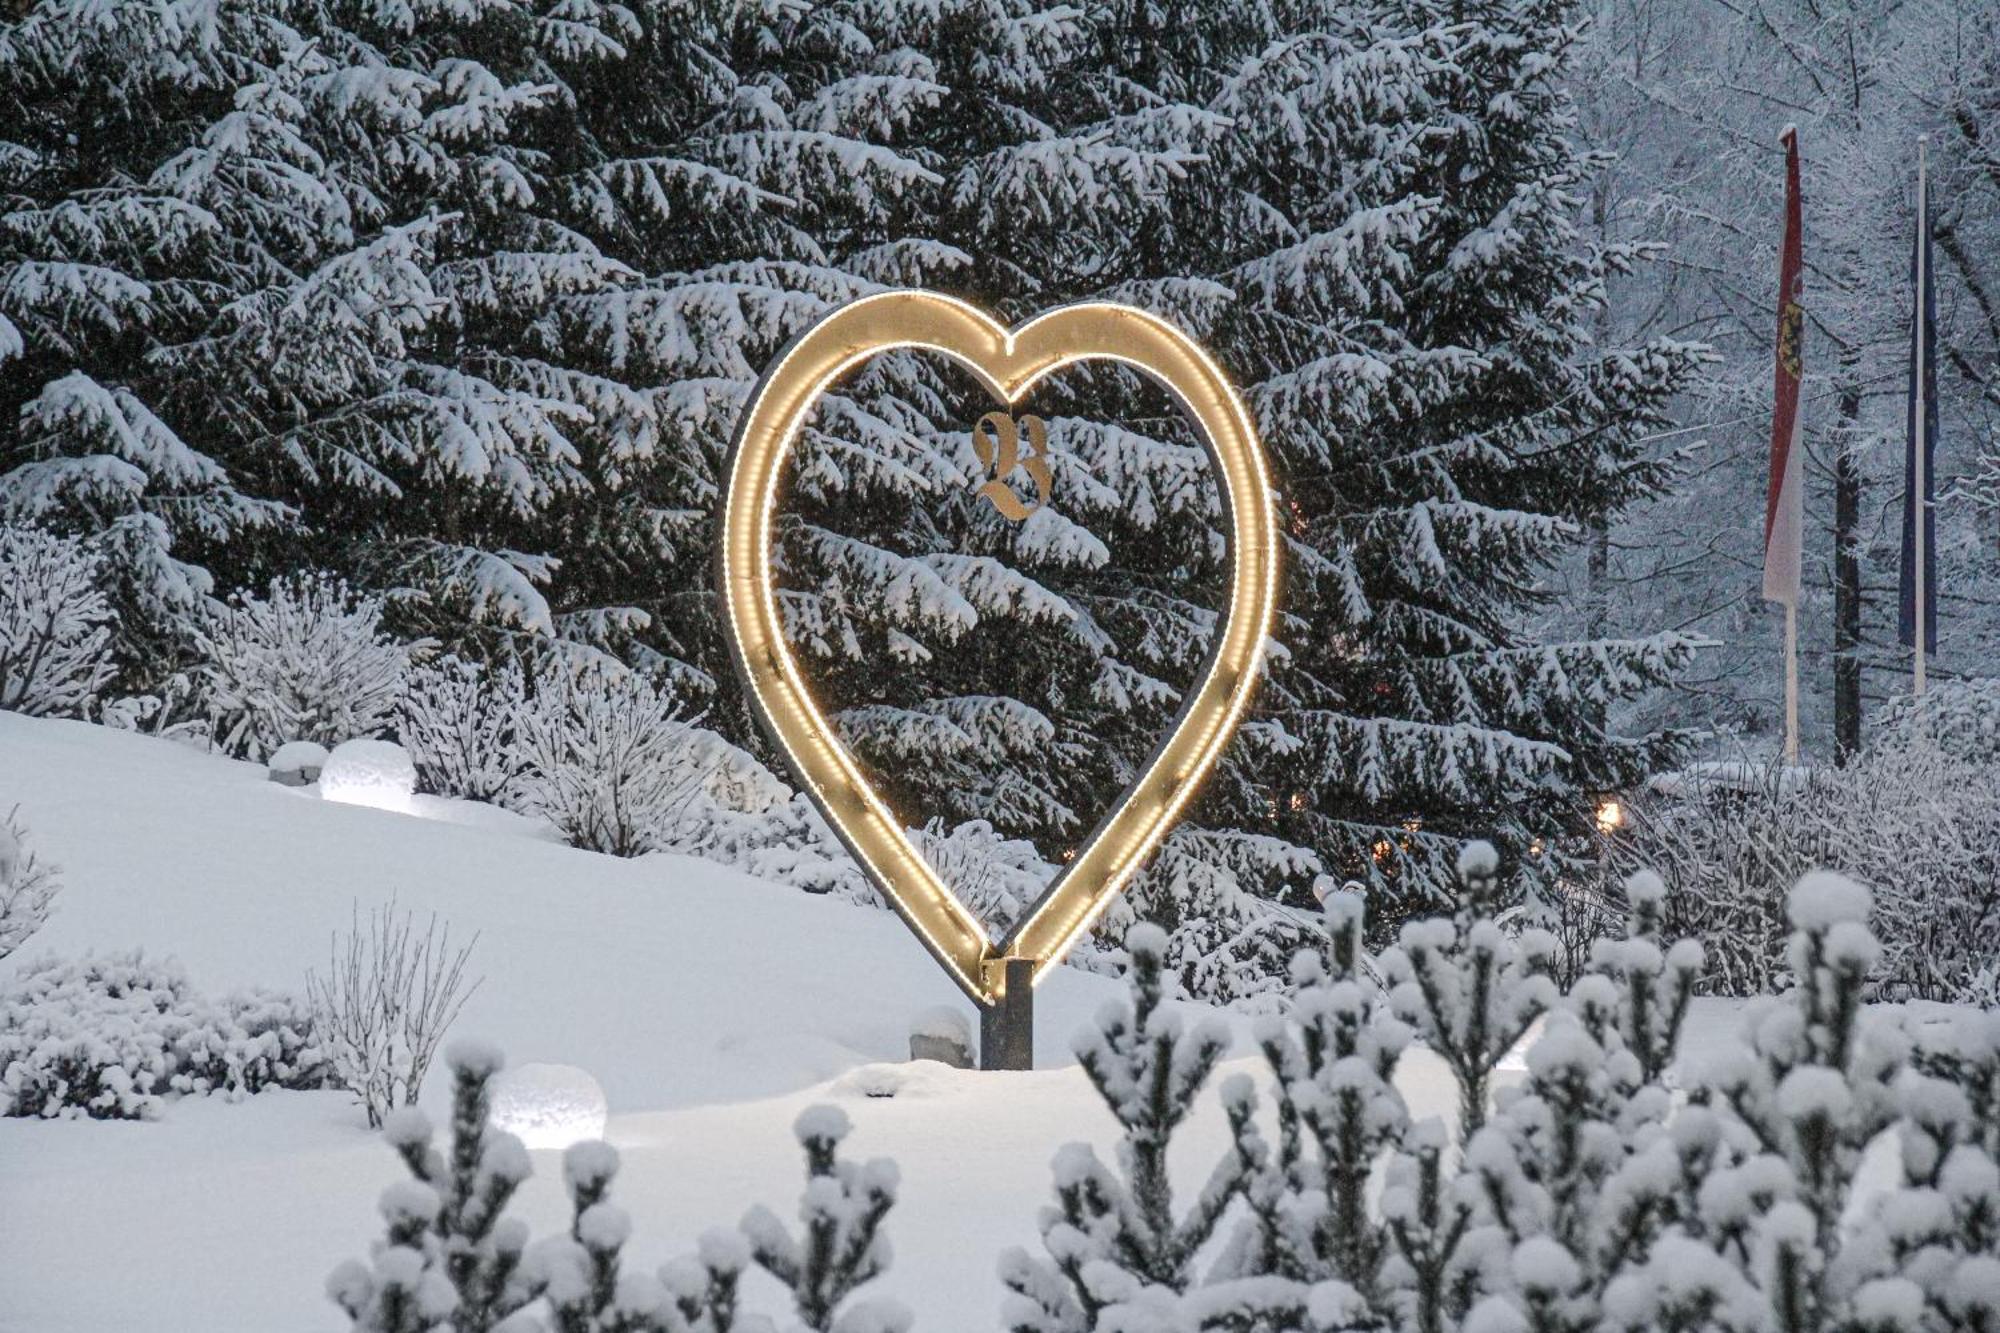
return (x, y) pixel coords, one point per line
(450, 1258)
(1574, 1177)
(1338, 1112)
(1115, 1247)
(1470, 991)
(841, 1245)
(1769, 1148)
(587, 1288)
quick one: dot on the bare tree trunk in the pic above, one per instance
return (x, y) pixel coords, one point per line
(1847, 578)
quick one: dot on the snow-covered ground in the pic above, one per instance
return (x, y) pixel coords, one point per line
(712, 1007)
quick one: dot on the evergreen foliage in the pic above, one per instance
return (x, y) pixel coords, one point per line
(1116, 1248)
(462, 306)
(450, 1257)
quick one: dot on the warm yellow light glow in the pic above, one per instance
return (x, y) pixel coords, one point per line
(1010, 364)
(1610, 815)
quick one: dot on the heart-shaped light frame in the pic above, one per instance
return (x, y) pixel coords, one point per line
(1010, 364)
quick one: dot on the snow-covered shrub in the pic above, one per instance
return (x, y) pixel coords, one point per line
(1771, 1225)
(111, 1038)
(382, 1009)
(28, 886)
(457, 720)
(996, 877)
(1960, 717)
(306, 662)
(1114, 1241)
(607, 758)
(55, 625)
(1917, 825)
(172, 709)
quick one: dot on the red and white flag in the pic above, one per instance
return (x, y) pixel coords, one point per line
(1784, 504)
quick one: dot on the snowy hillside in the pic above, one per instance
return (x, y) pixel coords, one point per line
(711, 1007)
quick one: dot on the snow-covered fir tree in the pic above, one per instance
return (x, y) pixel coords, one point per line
(450, 1257)
(465, 307)
(1120, 1251)
(1413, 320)
(1575, 1176)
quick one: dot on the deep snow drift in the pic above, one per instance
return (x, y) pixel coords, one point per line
(711, 1007)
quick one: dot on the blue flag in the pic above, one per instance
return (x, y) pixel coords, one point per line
(1922, 422)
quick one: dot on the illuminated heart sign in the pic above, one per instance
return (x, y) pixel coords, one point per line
(1010, 364)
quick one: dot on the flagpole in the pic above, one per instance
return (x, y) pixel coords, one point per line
(1920, 501)
(1792, 682)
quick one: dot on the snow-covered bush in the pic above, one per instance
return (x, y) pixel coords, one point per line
(28, 886)
(387, 999)
(306, 662)
(1916, 824)
(1960, 717)
(607, 758)
(457, 720)
(55, 624)
(996, 877)
(452, 1261)
(111, 1038)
